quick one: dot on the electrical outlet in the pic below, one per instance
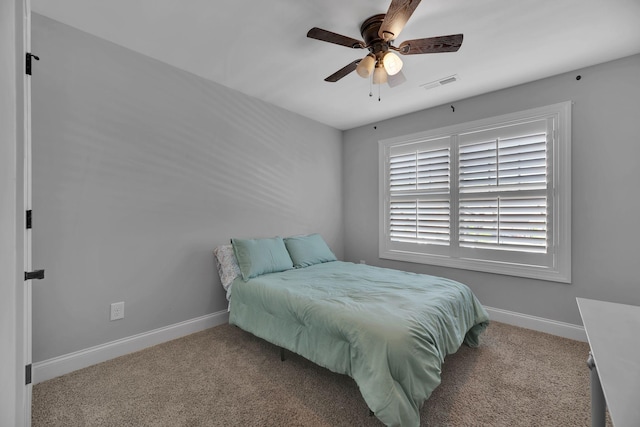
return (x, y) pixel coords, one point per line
(117, 310)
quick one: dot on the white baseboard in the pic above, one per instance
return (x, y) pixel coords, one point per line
(51, 368)
(553, 327)
(64, 364)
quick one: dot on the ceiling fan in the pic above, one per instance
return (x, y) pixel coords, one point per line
(379, 32)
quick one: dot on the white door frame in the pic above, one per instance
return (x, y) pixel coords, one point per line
(12, 381)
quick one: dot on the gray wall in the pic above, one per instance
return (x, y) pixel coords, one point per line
(140, 170)
(605, 175)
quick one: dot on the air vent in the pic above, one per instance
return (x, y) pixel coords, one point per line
(441, 82)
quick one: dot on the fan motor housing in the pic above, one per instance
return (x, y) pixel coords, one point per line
(369, 30)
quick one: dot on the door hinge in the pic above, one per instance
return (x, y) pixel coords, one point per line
(27, 374)
(28, 219)
(27, 67)
(32, 275)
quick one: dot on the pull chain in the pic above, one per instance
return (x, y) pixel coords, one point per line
(371, 85)
(371, 88)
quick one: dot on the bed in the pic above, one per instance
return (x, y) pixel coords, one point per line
(389, 330)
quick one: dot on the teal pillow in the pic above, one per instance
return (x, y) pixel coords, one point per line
(308, 250)
(261, 256)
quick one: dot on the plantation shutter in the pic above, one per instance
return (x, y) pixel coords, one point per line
(490, 195)
(419, 205)
(503, 184)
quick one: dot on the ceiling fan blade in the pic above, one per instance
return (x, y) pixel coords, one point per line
(343, 72)
(431, 45)
(397, 16)
(328, 36)
(396, 79)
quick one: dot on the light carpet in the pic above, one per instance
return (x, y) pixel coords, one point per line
(224, 376)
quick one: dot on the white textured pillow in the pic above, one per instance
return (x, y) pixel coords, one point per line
(227, 266)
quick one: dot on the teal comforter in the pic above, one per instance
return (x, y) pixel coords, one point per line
(389, 330)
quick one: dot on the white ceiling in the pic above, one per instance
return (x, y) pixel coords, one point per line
(260, 47)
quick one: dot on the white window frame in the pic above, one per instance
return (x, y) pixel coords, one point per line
(556, 265)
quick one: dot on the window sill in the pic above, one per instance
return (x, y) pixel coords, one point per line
(496, 267)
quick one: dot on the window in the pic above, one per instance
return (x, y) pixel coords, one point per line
(492, 195)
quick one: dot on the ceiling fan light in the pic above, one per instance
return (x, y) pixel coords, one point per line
(379, 75)
(392, 63)
(365, 67)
